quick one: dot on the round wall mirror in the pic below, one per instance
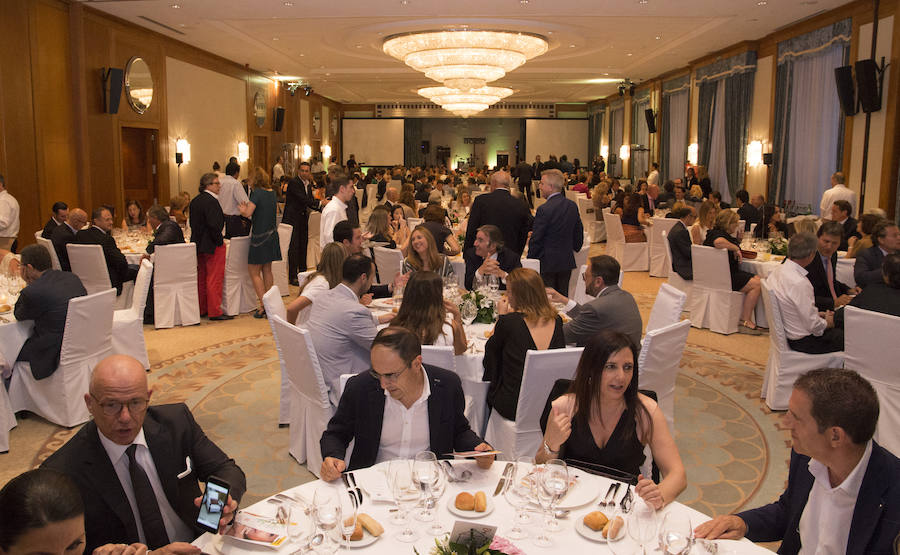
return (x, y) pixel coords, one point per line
(259, 108)
(138, 84)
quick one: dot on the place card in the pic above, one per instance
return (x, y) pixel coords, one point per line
(465, 532)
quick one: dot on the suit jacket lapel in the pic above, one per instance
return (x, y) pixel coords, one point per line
(100, 472)
(162, 453)
(372, 427)
(869, 502)
(434, 416)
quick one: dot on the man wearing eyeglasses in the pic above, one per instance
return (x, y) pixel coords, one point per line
(138, 466)
(397, 409)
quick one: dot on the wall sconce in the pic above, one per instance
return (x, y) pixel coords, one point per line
(755, 154)
(326, 152)
(693, 149)
(604, 151)
(183, 148)
(624, 152)
(243, 152)
(306, 153)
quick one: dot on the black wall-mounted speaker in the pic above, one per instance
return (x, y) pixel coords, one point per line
(651, 120)
(113, 82)
(279, 118)
(179, 158)
(867, 85)
(768, 158)
(426, 147)
(843, 79)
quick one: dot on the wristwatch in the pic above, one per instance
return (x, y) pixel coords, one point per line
(550, 451)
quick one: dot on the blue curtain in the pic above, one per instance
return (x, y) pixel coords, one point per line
(738, 101)
(706, 101)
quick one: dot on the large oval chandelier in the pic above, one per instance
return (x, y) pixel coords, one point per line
(465, 103)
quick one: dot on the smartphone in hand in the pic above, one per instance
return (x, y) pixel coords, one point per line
(213, 504)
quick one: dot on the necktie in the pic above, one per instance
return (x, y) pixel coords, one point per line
(151, 519)
(829, 273)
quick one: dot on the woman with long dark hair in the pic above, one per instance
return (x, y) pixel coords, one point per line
(425, 312)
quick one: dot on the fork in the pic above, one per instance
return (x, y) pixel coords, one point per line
(610, 497)
(627, 500)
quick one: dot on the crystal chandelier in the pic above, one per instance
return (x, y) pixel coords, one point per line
(465, 103)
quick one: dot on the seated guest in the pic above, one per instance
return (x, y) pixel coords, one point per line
(349, 236)
(326, 277)
(695, 194)
(463, 202)
(746, 211)
(396, 408)
(680, 242)
(772, 222)
(65, 234)
(612, 308)
(444, 238)
(130, 465)
(526, 322)
(865, 227)
(178, 208)
(165, 232)
(489, 256)
(60, 212)
(886, 239)
(680, 193)
(830, 293)
(667, 194)
(842, 491)
(705, 222)
(602, 419)
(632, 218)
(649, 200)
(807, 330)
(722, 236)
(716, 197)
(704, 182)
(341, 328)
(379, 228)
(879, 297)
(840, 213)
(98, 234)
(408, 200)
(425, 312)
(134, 216)
(600, 199)
(45, 299)
(423, 254)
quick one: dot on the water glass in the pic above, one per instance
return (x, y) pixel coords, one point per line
(676, 533)
(518, 495)
(327, 514)
(493, 284)
(468, 311)
(406, 495)
(641, 524)
(298, 525)
(397, 297)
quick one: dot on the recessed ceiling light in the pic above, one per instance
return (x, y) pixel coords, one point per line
(328, 74)
(404, 2)
(630, 54)
(274, 38)
(605, 74)
(358, 46)
(302, 54)
(642, 2)
(523, 2)
(658, 37)
(181, 25)
(762, 3)
(175, 6)
(288, 4)
(571, 46)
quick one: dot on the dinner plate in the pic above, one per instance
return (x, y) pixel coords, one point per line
(367, 539)
(386, 303)
(586, 532)
(489, 508)
(583, 492)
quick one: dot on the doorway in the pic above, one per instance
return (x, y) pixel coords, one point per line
(139, 165)
(261, 155)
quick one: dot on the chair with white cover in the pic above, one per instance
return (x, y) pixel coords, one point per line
(128, 323)
(176, 301)
(866, 333)
(532, 263)
(7, 420)
(580, 260)
(87, 340)
(660, 263)
(785, 364)
(414, 222)
(675, 280)
(522, 436)
(274, 306)
(54, 260)
(280, 267)
(475, 391)
(238, 295)
(596, 229)
(310, 408)
(667, 307)
(633, 257)
(313, 248)
(658, 364)
(371, 196)
(713, 304)
(388, 262)
(89, 264)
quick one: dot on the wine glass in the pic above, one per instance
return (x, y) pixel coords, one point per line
(676, 533)
(349, 511)
(327, 513)
(468, 311)
(493, 284)
(641, 524)
(425, 475)
(617, 539)
(555, 479)
(406, 495)
(397, 297)
(518, 494)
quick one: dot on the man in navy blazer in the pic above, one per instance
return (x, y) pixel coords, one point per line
(843, 495)
(558, 233)
(489, 257)
(680, 242)
(501, 209)
(409, 407)
(829, 234)
(99, 234)
(886, 239)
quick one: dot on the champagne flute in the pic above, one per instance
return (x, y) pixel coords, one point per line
(493, 283)
(349, 511)
(468, 311)
(676, 533)
(518, 494)
(406, 494)
(555, 479)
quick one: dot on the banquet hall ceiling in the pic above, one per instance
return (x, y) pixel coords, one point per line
(335, 45)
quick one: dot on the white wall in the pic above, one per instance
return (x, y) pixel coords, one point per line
(500, 136)
(212, 123)
(552, 136)
(758, 129)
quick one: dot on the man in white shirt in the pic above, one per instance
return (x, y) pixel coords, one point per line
(278, 170)
(9, 217)
(838, 191)
(653, 176)
(843, 495)
(231, 197)
(340, 190)
(807, 329)
(398, 408)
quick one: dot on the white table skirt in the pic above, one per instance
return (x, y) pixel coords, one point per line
(567, 540)
(12, 337)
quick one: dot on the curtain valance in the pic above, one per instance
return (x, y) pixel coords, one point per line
(739, 63)
(815, 41)
(676, 85)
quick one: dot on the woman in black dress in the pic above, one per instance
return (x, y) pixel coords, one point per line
(605, 421)
(721, 236)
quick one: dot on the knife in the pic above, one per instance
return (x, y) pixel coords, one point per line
(503, 478)
(355, 487)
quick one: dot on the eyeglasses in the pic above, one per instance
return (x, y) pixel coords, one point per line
(112, 408)
(391, 377)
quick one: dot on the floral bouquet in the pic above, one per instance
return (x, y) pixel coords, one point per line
(480, 304)
(778, 245)
(476, 545)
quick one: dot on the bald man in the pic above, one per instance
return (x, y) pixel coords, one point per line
(138, 466)
(65, 234)
(501, 209)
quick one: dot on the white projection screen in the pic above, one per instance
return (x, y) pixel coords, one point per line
(375, 142)
(556, 136)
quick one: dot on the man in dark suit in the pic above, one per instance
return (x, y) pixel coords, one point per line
(99, 234)
(46, 301)
(60, 212)
(537, 167)
(558, 233)
(524, 176)
(881, 297)
(65, 234)
(378, 400)
(680, 242)
(842, 495)
(821, 272)
(649, 200)
(489, 257)
(747, 211)
(138, 467)
(207, 222)
(841, 213)
(165, 232)
(612, 308)
(298, 203)
(886, 239)
(501, 209)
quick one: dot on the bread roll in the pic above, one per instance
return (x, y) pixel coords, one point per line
(357, 532)
(465, 501)
(371, 525)
(480, 502)
(613, 527)
(595, 520)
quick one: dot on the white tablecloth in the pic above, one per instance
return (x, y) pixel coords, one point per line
(763, 268)
(565, 541)
(12, 336)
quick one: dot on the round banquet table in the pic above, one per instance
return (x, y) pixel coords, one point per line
(581, 499)
(13, 334)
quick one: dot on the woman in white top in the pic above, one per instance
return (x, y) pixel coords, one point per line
(326, 276)
(425, 312)
(705, 221)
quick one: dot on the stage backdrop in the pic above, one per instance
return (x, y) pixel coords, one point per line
(557, 136)
(375, 142)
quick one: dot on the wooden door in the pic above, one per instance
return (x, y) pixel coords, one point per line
(139, 165)
(261, 155)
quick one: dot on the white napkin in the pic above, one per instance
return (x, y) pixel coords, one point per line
(373, 482)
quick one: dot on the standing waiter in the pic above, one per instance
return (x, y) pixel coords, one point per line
(298, 202)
